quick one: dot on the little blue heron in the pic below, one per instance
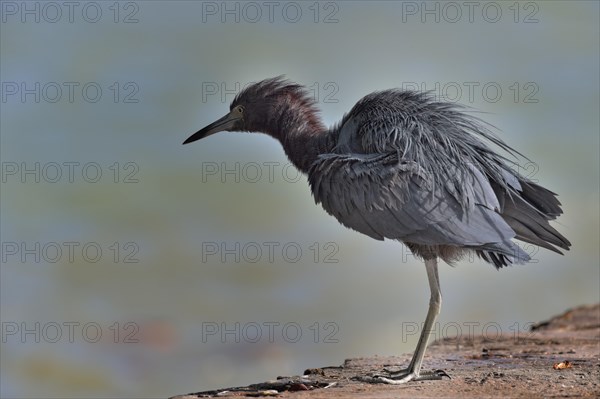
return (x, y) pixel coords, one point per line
(402, 165)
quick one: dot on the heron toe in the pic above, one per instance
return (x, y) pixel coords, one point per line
(403, 376)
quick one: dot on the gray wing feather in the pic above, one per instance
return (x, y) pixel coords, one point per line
(386, 197)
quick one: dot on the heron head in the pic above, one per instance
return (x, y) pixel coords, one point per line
(264, 107)
(248, 111)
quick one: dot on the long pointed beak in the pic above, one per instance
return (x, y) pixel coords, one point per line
(223, 124)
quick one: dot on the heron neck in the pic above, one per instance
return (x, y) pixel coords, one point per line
(304, 147)
(301, 132)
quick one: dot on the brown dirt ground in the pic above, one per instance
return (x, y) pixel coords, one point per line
(508, 366)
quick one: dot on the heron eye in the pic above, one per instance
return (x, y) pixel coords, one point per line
(241, 109)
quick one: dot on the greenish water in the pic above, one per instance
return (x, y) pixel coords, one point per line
(120, 274)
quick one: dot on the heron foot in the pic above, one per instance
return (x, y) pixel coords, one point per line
(405, 375)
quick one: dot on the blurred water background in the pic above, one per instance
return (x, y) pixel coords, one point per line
(120, 274)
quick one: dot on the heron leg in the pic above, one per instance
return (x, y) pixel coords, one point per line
(413, 372)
